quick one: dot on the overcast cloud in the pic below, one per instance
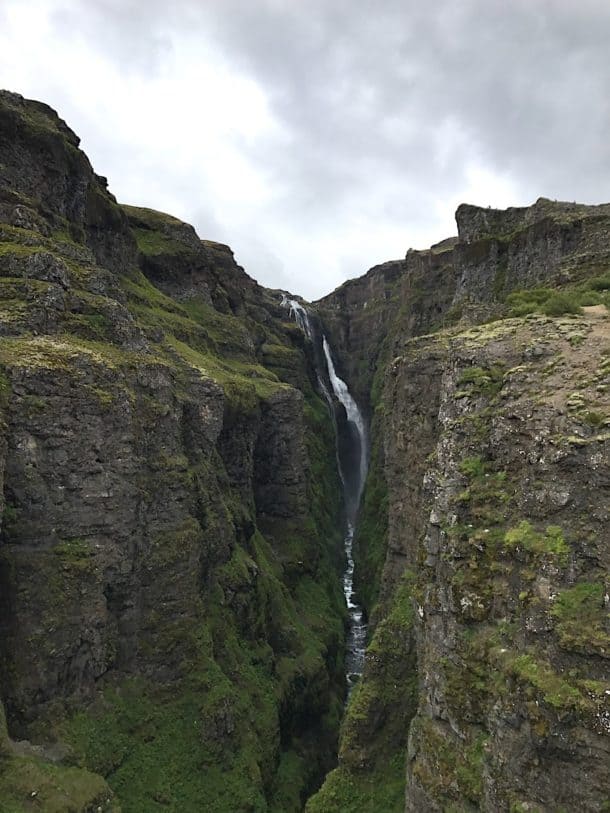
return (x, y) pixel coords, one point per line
(319, 137)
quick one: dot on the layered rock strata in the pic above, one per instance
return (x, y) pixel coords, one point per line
(172, 623)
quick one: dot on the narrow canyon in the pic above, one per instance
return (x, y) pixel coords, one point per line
(261, 554)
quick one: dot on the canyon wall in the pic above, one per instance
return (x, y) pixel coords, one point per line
(483, 540)
(172, 622)
(172, 626)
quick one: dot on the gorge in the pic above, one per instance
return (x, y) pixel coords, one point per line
(212, 493)
(351, 443)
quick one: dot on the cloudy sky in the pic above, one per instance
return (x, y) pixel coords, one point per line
(319, 137)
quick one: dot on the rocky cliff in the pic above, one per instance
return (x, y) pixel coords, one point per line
(483, 546)
(172, 623)
(172, 627)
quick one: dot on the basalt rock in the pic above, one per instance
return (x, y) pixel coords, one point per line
(489, 390)
(171, 620)
(157, 648)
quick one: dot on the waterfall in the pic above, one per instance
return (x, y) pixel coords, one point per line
(354, 416)
(356, 639)
(353, 484)
(299, 314)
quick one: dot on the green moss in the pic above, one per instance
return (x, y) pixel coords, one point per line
(226, 333)
(154, 243)
(150, 218)
(550, 542)
(482, 380)
(34, 116)
(594, 418)
(5, 391)
(287, 790)
(158, 749)
(583, 622)
(242, 382)
(350, 792)
(61, 352)
(74, 552)
(28, 784)
(451, 771)
(472, 467)
(483, 502)
(499, 285)
(553, 688)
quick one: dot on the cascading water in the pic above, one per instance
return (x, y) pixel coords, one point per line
(299, 314)
(353, 486)
(353, 478)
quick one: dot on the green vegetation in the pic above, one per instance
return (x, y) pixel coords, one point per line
(28, 784)
(558, 302)
(543, 300)
(352, 792)
(482, 381)
(554, 689)
(5, 392)
(153, 243)
(583, 622)
(599, 283)
(214, 735)
(482, 507)
(473, 467)
(74, 554)
(526, 537)
(371, 772)
(158, 233)
(451, 770)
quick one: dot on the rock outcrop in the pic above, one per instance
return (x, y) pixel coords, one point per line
(491, 453)
(171, 623)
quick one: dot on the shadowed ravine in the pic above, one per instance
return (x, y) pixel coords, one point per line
(352, 464)
(182, 462)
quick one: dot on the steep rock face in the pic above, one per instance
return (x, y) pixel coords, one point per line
(171, 616)
(512, 566)
(464, 279)
(487, 496)
(354, 316)
(171, 625)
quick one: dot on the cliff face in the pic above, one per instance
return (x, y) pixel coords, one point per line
(171, 618)
(483, 541)
(465, 278)
(512, 565)
(171, 615)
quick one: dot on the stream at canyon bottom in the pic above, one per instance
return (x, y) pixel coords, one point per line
(352, 471)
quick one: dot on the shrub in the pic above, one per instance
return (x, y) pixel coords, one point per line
(559, 303)
(543, 300)
(601, 283)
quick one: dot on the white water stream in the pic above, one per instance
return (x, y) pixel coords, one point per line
(356, 639)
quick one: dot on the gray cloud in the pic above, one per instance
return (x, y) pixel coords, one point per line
(387, 114)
